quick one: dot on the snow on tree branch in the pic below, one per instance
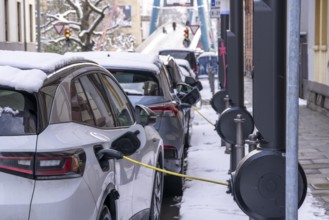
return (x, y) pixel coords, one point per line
(84, 17)
(77, 7)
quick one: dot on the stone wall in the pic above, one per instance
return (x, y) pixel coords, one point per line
(317, 97)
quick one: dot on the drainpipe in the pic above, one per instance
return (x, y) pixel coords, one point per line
(38, 26)
(24, 25)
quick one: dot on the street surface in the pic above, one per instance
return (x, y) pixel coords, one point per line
(206, 158)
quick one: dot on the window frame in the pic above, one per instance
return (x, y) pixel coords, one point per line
(127, 101)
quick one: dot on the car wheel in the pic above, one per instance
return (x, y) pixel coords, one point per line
(157, 195)
(105, 213)
(187, 136)
(173, 184)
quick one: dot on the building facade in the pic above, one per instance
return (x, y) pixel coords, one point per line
(315, 34)
(17, 25)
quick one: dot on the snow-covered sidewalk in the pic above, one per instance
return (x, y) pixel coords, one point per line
(206, 159)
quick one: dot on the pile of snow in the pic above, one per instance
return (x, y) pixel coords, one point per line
(27, 70)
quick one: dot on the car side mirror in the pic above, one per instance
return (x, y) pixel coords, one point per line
(189, 80)
(188, 94)
(192, 82)
(198, 85)
(144, 115)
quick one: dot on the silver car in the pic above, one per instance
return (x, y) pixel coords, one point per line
(65, 123)
(146, 81)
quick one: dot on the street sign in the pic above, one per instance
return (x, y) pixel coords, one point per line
(215, 3)
(225, 7)
(194, 28)
(215, 13)
(58, 27)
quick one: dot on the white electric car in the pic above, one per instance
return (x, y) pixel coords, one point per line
(63, 123)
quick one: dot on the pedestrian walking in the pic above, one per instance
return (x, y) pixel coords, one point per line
(174, 25)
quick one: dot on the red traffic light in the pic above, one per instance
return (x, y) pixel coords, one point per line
(186, 33)
(67, 33)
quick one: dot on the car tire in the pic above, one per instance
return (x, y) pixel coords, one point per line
(157, 195)
(173, 184)
(187, 135)
(105, 213)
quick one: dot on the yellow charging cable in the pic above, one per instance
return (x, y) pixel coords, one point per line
(195, 109)
(173, 173)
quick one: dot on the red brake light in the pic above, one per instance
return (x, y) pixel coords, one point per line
(195, 68)
(52, 165)
(18, 164)
(170, 110)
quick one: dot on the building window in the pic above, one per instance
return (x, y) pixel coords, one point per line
(6, 21)
(321, 24)
(31, 22)
(19, 22)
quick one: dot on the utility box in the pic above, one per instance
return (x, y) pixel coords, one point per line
(269, 95)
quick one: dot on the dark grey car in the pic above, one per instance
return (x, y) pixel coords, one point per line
(146, 81)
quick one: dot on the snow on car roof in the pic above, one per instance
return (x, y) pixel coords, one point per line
(17, 78)
(207, 54)
(177, 49)
(182, 62)
(122, 60)
(27, 70)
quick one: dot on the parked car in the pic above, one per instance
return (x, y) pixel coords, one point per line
(178, 74)
(186, 66)
(205, 61)
(179, 70)
(62, 121)
(146, 81)
(186, 54)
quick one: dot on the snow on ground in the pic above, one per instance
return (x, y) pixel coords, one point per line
(206, 159)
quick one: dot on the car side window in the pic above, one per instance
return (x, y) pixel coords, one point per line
(88, 103)
(119, 102)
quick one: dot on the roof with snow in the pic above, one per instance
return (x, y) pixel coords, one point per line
(27, 70)
(122, 60)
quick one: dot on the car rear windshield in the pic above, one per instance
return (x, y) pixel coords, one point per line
(186, 55)
(137, 83)
(17, 113)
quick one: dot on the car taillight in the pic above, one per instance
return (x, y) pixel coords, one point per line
(69, 164)
(170, 110)
(170, 152)
(195, 68)
(51, 165)
(17, 163)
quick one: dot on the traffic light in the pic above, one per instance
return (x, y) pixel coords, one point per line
(186, 33)
(67, 34)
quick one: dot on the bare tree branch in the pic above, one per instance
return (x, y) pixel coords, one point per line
(64, 39)
(96, 22)
(76, 6)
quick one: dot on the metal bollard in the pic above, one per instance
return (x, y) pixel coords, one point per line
(227, 145)
(252, 142)
(240, 152)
